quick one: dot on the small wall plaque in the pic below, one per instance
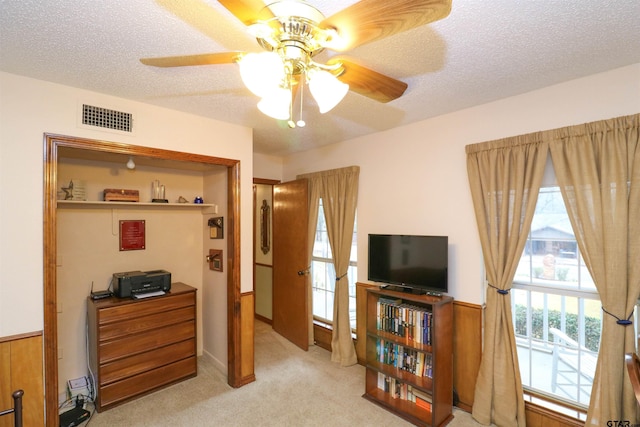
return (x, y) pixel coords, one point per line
(132, 235)
(216, 228)
(215, 259)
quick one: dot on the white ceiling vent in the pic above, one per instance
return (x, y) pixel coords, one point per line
(106, 118)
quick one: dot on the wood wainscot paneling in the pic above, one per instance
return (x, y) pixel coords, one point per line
(361, 317)
(247, 304)
(21, 367)
(322, 336)
(538, 416)
(467, 351)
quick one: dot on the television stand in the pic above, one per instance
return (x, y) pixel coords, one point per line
(395, 288)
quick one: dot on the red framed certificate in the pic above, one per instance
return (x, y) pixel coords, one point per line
(132, 235)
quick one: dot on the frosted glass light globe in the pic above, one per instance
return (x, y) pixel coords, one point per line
(326, 89)
(262, 72)
(276, 104)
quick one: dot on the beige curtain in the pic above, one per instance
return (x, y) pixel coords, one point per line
(338, 189)
(505, 178)
(598, 169)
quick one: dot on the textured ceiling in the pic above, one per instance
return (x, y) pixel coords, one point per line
(483, 51)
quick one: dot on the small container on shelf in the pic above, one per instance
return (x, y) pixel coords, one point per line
(121, 195)
(157, 192)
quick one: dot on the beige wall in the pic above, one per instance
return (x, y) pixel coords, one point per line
(214, 306)
(413, 179)
(267, 167)
(28, 109)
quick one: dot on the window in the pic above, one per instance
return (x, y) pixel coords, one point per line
(324, 275)
(557, 313)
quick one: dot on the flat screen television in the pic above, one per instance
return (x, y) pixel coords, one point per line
(417, 264)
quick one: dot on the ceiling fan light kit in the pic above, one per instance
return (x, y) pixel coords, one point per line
(326, 89)
(262, 72)
(292, 37)
(276, 104)
(292, 32)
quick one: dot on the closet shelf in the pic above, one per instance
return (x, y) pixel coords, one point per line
(112, 205)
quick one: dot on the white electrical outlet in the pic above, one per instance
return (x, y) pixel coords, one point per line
(59, 353)
(59, 306)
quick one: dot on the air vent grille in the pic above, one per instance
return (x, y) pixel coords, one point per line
(105, 118)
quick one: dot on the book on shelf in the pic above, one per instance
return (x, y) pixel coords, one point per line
(404, 358)
(384, 309)
(420, 394)
(420, 398)
(405, 320)
(421, 403)
(403, 391)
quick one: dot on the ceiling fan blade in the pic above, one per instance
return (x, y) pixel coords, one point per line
(248, 11)
(370, 20)
(369, 83)
(189, 60)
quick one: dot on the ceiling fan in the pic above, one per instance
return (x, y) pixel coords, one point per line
(292, 32)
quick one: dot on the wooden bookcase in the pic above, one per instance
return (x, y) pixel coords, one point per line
(409, 368)
(139, 346)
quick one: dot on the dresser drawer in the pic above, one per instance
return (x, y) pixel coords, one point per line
(139, 343)
(145, 323)
(142, 362)
(136, 385)
(133, 309)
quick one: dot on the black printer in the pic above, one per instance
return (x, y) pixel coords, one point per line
(131, 283)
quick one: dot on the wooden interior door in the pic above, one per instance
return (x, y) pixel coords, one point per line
(290, 219)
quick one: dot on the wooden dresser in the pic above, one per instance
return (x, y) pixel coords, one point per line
(138, 346)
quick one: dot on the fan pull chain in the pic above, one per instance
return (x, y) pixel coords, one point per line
(290, 122)
(301, 122)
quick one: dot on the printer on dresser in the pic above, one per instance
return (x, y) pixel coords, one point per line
(138, 346)
(138, 283)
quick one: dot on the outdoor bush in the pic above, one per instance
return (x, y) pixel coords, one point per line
(562, 274)
(592, 325)
(537, 271)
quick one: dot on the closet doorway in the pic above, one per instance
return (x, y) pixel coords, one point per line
(52, 146)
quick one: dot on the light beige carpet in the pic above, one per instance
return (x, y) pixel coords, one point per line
(292, 388)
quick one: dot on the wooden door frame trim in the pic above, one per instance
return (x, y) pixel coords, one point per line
(52, 142)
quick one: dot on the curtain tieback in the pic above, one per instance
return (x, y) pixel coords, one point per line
(619, 321)
(340, 277)
(500, 291)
